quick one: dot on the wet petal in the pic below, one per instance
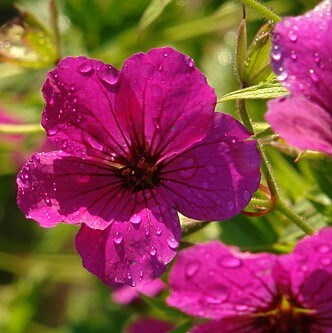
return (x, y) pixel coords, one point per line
(150, 325)
(306, 276)
(54, 187)
(135, 251)
(301, 123)
(211, 281)
(302, 54)
(79, 115)
(215, 178)
(167, 103)
(125, 294)
(238, 324)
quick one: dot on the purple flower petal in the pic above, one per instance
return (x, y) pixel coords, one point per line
(56, 187)
(79, 116)
(210, 281)
(306, 277)
(135, 251)
(304, 124)
(215, 178)
(150, 325)
(301, 58)
(164, 100)
(124, 294)
(238, 324)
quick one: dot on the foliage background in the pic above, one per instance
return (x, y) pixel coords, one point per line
(43, 287)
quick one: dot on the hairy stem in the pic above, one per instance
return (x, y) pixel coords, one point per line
(262, 10)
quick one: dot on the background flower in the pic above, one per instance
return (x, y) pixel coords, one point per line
(301, 58)
(256, 292)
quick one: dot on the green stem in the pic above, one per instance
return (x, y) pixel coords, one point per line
(268, 173)
(286, 211)
(262, 10)
(192, 227)
(20, 129)
(55, 29)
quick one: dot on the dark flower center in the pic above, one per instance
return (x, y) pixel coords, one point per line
(140, 174)
(285, 317)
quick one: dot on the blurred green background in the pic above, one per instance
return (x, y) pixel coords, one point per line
(43, 287)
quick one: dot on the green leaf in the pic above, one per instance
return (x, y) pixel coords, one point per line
(152, 12)
(260, 91)
(257, 64)
(241, 49)
(27, 42)
(182, 328)
(160, 305)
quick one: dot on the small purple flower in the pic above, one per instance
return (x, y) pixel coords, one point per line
(124, 294)
(134, 147)
(244, 292)
(150, 325)
(302, 59)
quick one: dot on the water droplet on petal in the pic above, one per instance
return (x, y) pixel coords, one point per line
(147, 232)
(165, 55)
(53, 131)
(109, 75)
(323, 249)
(118, 237)
(47, 200)
(188, 168)
(326, 261)
(282, 76)
(230, 205)
(172, 243)
(153, 251)
(135, 219)
(246, 195)
(158, 231)
(241, 308)
(214, 300)
(192, 269)
(231, 262)
(160, 68)
(292, 36)
(293, 55)
(86, 68)
(313, 76)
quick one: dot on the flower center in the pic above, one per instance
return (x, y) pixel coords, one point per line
(140, 175)
(285, 317)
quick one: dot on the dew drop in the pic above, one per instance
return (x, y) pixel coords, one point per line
(172, 243)
(282, 76)
(158, 231)
(129, 276)
(313, 76)
(64, 144)
(153, 251)
(241, 307)
(293, 55)
(192, 269)
(118, 237)
(135, 219)
(230, 205)
(246, 195)
(109, 75)
(292, 36)
(230, 262)
(53, 131)
(323, 249)
(325, 261)
(188, 168)
(47, 200)
(147, 232)
(165, 55)
(214, 300)
(85, 68)
(72, 88)
(160, 68)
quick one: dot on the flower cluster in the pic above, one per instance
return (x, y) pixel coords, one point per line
(133, 147)
(243, 292)
(302, 60)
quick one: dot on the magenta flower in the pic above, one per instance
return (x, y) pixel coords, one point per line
(302, 60)
(124, 294)
(134, 147)
(151, 325)
(264, 293)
